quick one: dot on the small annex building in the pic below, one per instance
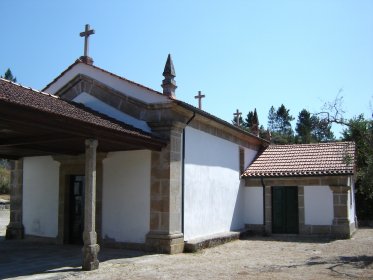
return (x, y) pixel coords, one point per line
(99, 159)
(303, 189)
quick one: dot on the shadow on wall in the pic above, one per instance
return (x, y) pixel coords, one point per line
(238, 218)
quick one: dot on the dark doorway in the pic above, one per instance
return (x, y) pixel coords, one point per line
(76, 214)
(285, 210)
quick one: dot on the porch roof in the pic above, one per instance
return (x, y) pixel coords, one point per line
(35, 123)
(320, 159)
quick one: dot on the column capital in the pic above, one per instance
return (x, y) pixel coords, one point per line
(91, 143)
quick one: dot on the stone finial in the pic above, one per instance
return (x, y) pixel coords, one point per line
(168, 83)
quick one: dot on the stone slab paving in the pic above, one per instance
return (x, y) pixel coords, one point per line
(23, 259)
(28, 260)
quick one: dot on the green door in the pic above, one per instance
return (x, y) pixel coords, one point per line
(284, 209)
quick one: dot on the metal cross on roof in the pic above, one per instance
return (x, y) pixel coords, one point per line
(86, 33)
(199, 97)
(237, 115)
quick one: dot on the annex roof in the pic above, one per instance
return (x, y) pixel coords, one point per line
(321, 159)
(30, 117)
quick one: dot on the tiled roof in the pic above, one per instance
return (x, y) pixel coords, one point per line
(12, 93)
(334, 158)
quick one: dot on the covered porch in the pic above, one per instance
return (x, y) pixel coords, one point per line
(37, 124)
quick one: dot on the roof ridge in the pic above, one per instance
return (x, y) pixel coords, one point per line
(311, 144)
(29, 88)
(78, 61)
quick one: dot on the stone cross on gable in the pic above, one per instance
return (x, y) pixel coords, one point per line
(86, 33)
(237, 116)
(199, 97)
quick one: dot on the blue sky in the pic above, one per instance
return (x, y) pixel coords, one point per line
(240, 54)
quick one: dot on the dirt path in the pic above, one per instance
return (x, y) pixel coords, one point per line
(254, 258)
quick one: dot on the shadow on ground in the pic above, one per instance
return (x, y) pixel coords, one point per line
(22, 258)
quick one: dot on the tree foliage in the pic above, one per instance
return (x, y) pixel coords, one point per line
(9, 76)
(304, 127)
(241, 123)
(310, 128)
(359, 130)
(279, 123)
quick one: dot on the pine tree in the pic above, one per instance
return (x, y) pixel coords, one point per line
(249, 119)
(271, 119)
(321, 130)
(304, 127)
(9, 76)
(242, 123)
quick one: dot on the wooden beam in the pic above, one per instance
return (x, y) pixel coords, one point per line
(28, 140)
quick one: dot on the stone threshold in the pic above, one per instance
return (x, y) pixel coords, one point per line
(197, 244)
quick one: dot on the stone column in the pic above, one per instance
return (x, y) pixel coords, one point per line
(165, 235)
(15, 229)
(341, 222)
(268, 209)
(90, 248)
(301, 212)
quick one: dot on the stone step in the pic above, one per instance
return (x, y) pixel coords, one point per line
(197, 244)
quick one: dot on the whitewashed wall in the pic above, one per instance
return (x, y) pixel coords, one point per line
(351, 202)
(126, 196)
(318, 205)
(121, 85)
(40, 192)
(99, 106)
(214, 193)
(253, 205)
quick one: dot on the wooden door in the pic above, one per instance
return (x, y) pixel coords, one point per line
(285, 210)
(76, 209)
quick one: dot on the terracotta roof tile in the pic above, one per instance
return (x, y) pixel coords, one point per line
(12, 93)
(334, 158)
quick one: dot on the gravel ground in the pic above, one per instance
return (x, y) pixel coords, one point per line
(253, 258)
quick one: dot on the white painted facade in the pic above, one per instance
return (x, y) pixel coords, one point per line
(213, 191)
(99, 106)
(318, 205)
(253, 214)
(40, 190)
(123, 86)
(351, 202)
(126, 196)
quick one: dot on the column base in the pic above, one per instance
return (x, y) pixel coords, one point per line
(90, 261)
(341, 228)
(14, 232)
(165, 243)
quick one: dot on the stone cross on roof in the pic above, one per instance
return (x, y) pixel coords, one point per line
(237, 116)
(199, 97)
(86, 33)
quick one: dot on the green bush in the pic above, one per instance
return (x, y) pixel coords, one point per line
(4, 180)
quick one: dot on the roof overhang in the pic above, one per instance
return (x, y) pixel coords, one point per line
(319, 180)
(26, 131)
